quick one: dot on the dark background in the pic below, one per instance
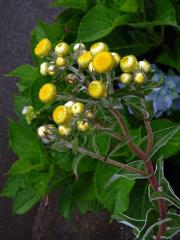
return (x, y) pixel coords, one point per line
(17, 19)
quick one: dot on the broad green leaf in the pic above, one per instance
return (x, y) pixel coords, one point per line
(25, 142)
(172, 57)
(119, 189)
(23, 166)
(12, 185)
(162, 137)
(27, 75)
(173, 225)
(102, 142)
(34, 190)
(161, 13)
(129, 6)
(76, 162)
(81, 4)
(99, 22)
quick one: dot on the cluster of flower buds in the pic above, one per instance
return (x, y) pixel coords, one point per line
(96, 66)
(72, 114)
(133, 71)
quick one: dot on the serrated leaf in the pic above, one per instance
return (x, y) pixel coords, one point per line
(119, 189)
(99, 22)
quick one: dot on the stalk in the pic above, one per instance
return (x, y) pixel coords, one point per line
(147, 162)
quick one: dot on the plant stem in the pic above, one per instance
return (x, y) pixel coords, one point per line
(104, 159)
(148, 164)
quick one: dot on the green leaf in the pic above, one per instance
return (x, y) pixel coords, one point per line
(161, 13)
(162, 137)
(129, 6)
(25, 142)
(102, 142)
(81, 4)
(27, 75)
(172, 57)
(53, 32)
(36, 189)
(119, 189)
(12, 185)
(99, 22)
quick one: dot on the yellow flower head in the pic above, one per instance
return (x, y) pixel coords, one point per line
(97, 89)
(47, 93)
(98, 47)
(83, 125)
(60, 62)
(116, 57)
(128, 63)
(77, 108)
(103, 62)
(43, 48)
(62, 49)
(61, 115)
(64, 130)
(125, 78)
(139, 78)
(84, 59)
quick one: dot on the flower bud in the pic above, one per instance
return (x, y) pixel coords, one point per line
(61, 115)
(103, 62)
(79, 47)
(139, 78)
(97, 89)
(47, 93)
(60, 62)
(27, 109)
(145, 66)
(83, 125)
(44, 68)
(62, 49)
(128, 63)
(125, 78)
(84, 59)
(116, 57)
(89, 114)
(90, 67)
(51, 70)
(77, 108)
(64, 130)
(69, 104)
(46, 133)
(43, 48)
(71, 78)
(98, 47)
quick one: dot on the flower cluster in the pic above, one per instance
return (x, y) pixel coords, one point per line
(92, 72)
(166, 97)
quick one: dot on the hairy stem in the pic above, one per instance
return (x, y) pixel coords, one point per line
(104, 159)
(148, 164)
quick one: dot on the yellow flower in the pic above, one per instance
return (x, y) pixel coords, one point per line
(43, 48)
(125, 78)
(84, 59)
(77, 108)
(62, 49)
(116, 57)
(64, 130)
(47, 92)
(61, 115)
(103, 62)
(139, 78)
(145, 66)
(83, 125)
(97, 89)
(60, 62)
(98, 47)
(128, 63)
